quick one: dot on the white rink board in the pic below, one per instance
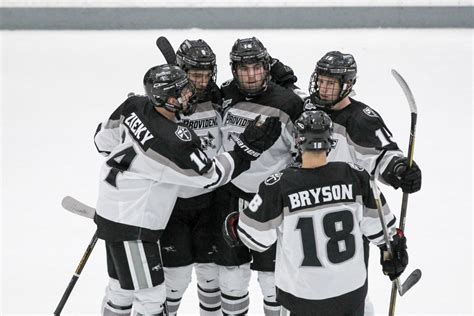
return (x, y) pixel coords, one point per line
(231, 3)
(57, 86)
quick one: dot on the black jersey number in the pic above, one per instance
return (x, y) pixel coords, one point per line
(341, 244)
(119, 162)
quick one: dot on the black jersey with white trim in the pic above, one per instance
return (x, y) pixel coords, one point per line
(362, 138)
(151, 161)
(319, 218)
(239, 110)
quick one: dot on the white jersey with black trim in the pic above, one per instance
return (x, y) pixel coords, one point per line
(154, 161)
(239, 110)
(361, 137)
(206, 122)
(318, 218)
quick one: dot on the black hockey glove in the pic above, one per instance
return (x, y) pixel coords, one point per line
(394, 267)
(257, 137)
(229, 230)
(398, 175)
(281, 74)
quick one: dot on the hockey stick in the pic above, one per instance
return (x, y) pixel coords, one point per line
(415, 276)
(411, 146)
(166, 49)
(78, 208)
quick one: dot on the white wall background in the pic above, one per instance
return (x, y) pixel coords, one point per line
(57, 86)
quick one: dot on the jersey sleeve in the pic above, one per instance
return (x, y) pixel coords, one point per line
(372, 142)
(190, 166)
(370, 224)
(109, 133)
(258, 223)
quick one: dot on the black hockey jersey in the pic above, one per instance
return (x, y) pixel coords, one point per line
(361, 137)
(318, 217)
(239, 110)
(151, 161)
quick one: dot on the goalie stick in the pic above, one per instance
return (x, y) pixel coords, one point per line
(77, 207)
(411, 146)
(166, 49)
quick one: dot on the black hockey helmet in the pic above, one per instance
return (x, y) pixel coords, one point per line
(335, 65)
(165, 81)
(197, 54)
(250, 51)
(314, 131)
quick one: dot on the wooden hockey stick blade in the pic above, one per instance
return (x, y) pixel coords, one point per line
(412, 279)
(74, 206)
(406, 90)
(166, 49)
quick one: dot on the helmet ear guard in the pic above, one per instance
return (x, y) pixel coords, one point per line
(334, 65)
(165, 81)
(314, 130)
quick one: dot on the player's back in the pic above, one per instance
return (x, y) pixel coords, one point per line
(320, 258)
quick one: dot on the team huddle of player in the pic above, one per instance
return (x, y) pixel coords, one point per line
(253, 175)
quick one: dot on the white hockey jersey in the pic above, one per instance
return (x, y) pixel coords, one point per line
(361, 137)
(319, 218)
(155, 161)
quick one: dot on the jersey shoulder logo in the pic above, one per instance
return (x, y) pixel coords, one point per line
(183, 133)
(225, 84)
(274, 178)
(369, 112)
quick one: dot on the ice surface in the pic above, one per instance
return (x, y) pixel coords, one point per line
(57, 86)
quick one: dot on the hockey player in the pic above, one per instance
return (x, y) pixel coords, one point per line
(319, 215)
(152, 160)
(188, 240)
(360, 133)
(249, 94)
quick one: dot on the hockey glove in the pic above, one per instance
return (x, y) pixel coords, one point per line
(282, 74)
(257, 137)
(394, 266)
(229, 230)
(398, 175)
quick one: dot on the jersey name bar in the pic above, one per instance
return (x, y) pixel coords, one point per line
(322, 195)
(138, 128)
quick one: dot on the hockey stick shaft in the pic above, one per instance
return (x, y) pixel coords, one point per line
(76, 275)
(386, 238)
(411, 146)
(166, 49)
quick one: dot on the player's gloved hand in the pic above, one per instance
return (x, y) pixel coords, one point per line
(394, 266)
(399, 175)
(257, 137)
(281, 74)
(229, 230)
